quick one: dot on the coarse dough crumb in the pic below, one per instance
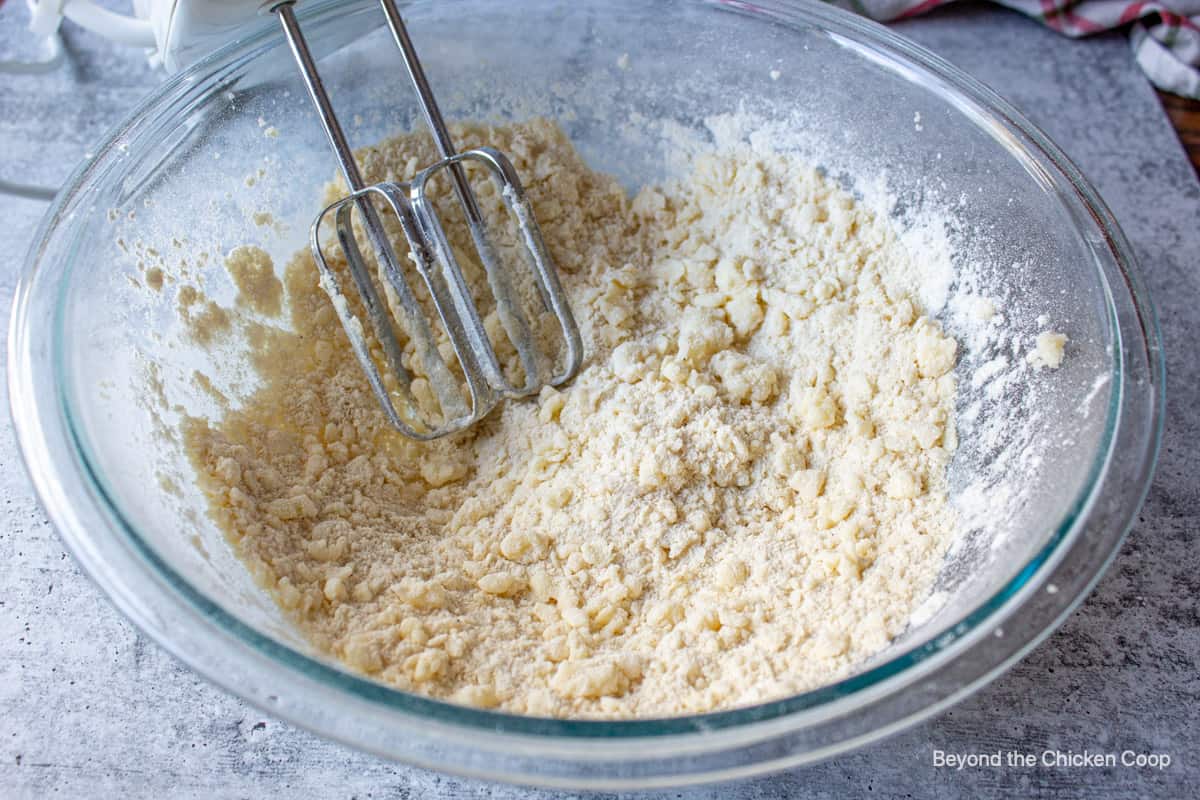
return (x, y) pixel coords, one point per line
(1048, 350)
(741, 496)
(253, 273)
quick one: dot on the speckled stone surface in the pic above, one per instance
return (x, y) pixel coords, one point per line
(89, 708)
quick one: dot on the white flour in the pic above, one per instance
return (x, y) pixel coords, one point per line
(742, 496)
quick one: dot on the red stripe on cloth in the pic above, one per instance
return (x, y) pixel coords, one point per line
(1131, 12)
(920, 8)
(1084, 25)
(1050, 15)
(1178, 20)
(1138, 10)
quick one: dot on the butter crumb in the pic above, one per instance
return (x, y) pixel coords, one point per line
(1048, 350)
(154, 278)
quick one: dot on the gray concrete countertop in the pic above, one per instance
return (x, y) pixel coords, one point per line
(89, 708)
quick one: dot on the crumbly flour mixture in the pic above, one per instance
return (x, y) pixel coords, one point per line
(741, 496)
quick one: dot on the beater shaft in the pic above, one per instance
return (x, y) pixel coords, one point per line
(433, 115)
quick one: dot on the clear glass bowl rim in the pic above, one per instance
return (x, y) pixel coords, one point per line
(27, 363)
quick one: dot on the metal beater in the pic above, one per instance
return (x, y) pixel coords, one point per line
(463, 399)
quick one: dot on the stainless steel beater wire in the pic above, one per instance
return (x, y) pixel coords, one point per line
(415, 328)
(512, 317)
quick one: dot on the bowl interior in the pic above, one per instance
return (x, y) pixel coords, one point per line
(242, 138)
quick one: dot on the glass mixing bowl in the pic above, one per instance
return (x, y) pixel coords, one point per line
(1050, 473)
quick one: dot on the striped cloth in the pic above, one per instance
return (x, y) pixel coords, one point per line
(1165, 35)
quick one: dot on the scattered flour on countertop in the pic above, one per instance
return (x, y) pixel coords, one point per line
(740, 497)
